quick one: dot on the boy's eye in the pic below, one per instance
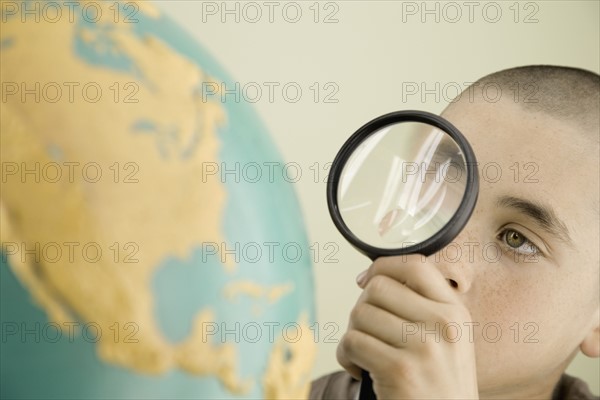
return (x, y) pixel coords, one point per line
(518, 242)
(514, 239)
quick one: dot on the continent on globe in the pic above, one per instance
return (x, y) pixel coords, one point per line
(105, 133)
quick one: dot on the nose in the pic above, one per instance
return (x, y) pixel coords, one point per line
(452, 283)
(456, 265)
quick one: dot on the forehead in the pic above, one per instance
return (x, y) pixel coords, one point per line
(532, 156)
(502, 133)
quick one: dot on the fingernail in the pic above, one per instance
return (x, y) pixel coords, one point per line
(360, 279)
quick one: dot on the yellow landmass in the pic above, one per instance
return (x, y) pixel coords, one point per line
(200, 356)
(290, 362)
(256, 290)
(165, 211)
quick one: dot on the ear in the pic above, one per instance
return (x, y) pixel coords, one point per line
(591, 343)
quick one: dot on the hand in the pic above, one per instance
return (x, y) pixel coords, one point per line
(401, 331)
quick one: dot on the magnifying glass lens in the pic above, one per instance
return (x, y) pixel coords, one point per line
(401, 185)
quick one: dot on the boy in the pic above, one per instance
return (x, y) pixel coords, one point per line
(501, 325)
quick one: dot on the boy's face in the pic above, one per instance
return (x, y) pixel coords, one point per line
(536, 308)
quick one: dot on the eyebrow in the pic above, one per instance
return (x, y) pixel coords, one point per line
(543, 215)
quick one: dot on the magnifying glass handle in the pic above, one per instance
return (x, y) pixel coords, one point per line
(366, 387)
(366, 384)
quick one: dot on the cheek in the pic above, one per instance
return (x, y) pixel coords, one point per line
(511, 298)
(500, 295)
(529, 319)
(508, 340)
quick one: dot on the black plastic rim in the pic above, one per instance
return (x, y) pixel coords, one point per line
(452, 228)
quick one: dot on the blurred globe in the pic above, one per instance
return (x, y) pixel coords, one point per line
(152, 245)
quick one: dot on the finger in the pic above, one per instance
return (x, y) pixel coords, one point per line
(358, 349)
(345, 362)
(401, 317)
(415, 272)
(399, 300)
(380, 324)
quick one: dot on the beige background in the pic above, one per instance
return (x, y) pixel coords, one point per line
(368, 55)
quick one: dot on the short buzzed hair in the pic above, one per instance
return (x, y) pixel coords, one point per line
(565, 93)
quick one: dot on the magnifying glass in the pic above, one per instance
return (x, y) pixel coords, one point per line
(404, 183)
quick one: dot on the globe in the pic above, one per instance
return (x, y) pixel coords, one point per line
(152, 243)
